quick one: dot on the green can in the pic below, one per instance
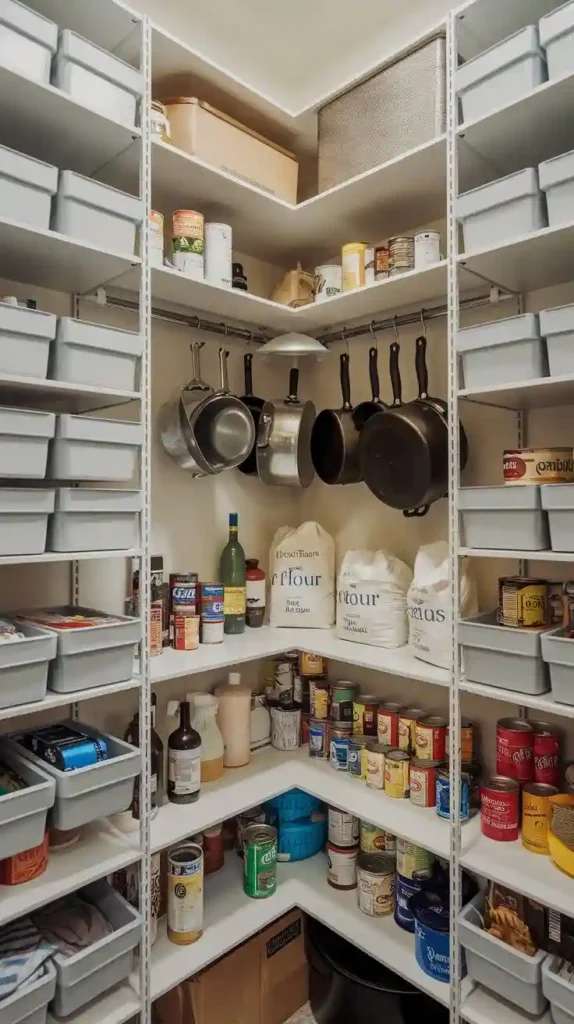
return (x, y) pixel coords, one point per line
(342, 696)
(259, 861)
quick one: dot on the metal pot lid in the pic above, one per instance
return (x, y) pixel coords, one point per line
(293, 345)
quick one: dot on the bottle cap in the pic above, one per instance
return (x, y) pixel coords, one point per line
(233, 519)
(234, 678)
(251, 563)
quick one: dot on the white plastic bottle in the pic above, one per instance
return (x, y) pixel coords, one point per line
(205, 722)
(234, 719)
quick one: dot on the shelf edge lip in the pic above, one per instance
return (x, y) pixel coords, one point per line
(540, 90)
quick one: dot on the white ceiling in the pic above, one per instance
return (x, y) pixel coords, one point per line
(297, 51)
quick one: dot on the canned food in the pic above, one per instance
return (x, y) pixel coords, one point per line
(405, 889)
(391, 845)
(401, 254)
(213, 852)
(304, 730)
(185, 894)
(156, 238)
(358, 757)
(342, 695)
(376, 884)
(536, 812)
(443, 793)
(211, 612)
(422, 782)
(188, 233)
(397, 774)
(376, 764)
(186, 632)
(283, 682)
(343, 828)
(327, 281)
(523, 602)
(407, 726)
(538, 466)
(372, 838)
(319, 698)
(254, 816)
(381, 262)
(159, 122)
(412, 859)
(339, 751)
(546, 754)
(342, 866)
(514, 749)
(430, 738)
(499, 809)
(319, 738)
(369, 265)
(388, 715)
(427, 249)
(259, 861)
(365, 715)
(353, 264)
(312, 664)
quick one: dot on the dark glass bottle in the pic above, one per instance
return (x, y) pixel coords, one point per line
(184, 760)
(232, 570)
(238, 279)
(132, 736)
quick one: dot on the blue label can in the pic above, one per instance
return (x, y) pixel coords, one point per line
(443, 794)
(340, 753)
(432, 939)
(406, 888)
(357, 758)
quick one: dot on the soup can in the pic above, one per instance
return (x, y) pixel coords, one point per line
(211, 612)
(376, 884)
(523, 602)
(358, 757)
(372, 838)
(259, 861)
(328, 281)
(388, 715)
(319, 698)
(370, 265)
(407, 725)
(342, 866)
(353, 265)
(430, 738)
(375, 754)
(514, 749)
(500, 809)
(339, 750)
(536, 816)
(342, 695)
(312, 664)
(343, 828)
(156, 238)
(546, 754)
(381, 262)
(401, 254)
(412, 858)
(443, 793)
(319, 739)
(365, 715)
(422, 782)
(427, 249)
(188, 242)
(185, 894)
(397, 774)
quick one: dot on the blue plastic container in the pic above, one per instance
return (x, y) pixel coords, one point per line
(294, 805)
(301, 839)
(430, 909)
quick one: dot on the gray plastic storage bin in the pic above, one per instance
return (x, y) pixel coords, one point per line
(502, 656)
(88, 793)
(107, 962)
(91, 656)
(557, 38)
(97, 214)
(24, 437)
(504, 73)
(503, 517)
(85, 448)
(558, 991)
(94, 520)
(25, 338)
(502, 351)
(558, 500)
(97, 79)
(100, 356)
(502, 210)
(558, 653)
(26, 188)
(27, 42)
(498, 966)
(557, 180)
(29, 1005)
(24, 515)
(23, 813)
(557, 327)
(24, 667)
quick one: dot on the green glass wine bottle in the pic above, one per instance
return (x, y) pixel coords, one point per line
(232, 569)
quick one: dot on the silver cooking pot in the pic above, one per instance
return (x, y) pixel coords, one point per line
(284, 440)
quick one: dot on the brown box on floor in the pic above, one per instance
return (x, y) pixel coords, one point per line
(284, 970)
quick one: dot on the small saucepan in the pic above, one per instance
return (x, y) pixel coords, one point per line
(284, 439)
(335, 438)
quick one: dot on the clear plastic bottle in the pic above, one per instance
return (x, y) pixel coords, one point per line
(234, 719)
(204, 721)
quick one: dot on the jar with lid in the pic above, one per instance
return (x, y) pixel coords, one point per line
(255, 593)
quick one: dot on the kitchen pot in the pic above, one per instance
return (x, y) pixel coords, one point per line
(334, 438)
(255, 405)
(364, 411)
(284, 439)
(175, 417)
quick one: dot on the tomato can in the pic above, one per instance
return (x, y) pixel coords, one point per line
(376, 875)
(514, 749)
(25, 866)
(342, 866)
(407, 725)
(536, 816)
(319, 738)
(343, 828)
(422, 782)
(365, 715)
(319, 698)
(375, 753)
(411, 859)
(372, 838)
(430, 738)
(397, 774)
(358, 757)
(388, 723)
(499, 809)
(546, 754)
(185, 894)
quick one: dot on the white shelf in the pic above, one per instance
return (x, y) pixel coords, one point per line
(268, 641)
(61, 700)
(116, 1007)
(230, 917)
(99, 852)
(64, 556)
(482, 23)
(56, 396)
(527, 263)
(541, 702)
(529, 394)
(481, 1006)
(512, 865)
(380, 203)
(271, 772)
(530, 556)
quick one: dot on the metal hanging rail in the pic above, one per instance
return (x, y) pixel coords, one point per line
(196, 322)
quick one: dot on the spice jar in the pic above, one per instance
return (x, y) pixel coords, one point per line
(255, 593)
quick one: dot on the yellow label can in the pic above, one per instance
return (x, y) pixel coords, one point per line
(185, 894)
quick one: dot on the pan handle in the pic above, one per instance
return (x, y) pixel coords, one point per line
(223, 376)
(345, 383)
(374, 374)
(264, 430)
(421, 367)
(395, 375)
(248, 368)
(293, 385)
(416, 513)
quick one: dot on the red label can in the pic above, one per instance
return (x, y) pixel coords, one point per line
(422, 782)
(546, 751)
(388, 723)
(514, 749)
(499, 809)
(430, 738)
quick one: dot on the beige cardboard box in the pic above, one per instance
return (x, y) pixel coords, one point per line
(284, 971)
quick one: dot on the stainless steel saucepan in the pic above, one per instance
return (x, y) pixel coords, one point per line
(284, 439)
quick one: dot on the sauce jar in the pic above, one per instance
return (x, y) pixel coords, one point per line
(255, 593)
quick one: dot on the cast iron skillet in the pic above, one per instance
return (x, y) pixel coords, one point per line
(364, 411)
(255, 405)
(334, 439)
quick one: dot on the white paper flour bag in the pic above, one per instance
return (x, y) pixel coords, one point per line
(372, 599)
(302, 577)
(429, 604)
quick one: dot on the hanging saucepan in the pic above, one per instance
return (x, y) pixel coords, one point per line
(222, 426)
(174, 420)
(255, 405)
(364, 411)
(334, 438)
(284, 439)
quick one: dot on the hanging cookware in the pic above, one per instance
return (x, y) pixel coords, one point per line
(334, 438)
(364, 411)
(255, 405)
(175, 417)
(222, 426)
(439, 403)
(284, 439)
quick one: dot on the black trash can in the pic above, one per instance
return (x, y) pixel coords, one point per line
(349, 987)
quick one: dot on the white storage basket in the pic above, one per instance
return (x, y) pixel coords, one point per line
(27, 41)
(557, 37)
(95, 355)
(501, 75)
(24, 437)
(557, 327)
(25, 339)
(557, 181)
(26, 188)
(502, 351)
(97, 214)
(85, 448)
(24, 515)
(87, 519)
(97, 79)
(502, 210)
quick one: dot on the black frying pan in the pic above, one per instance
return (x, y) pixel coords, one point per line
(364, 411)
(439, 404)
(255, 405)
(334, 439)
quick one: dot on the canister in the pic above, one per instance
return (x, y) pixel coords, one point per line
(376, 764)
(339, 748)
(405, 889)
(328, 281)
(430, 738)
(388, 715)
(467, 783)
(369, 265)
(514, 749)
(546, 754)
(342, 866)
(358, 757)
(188, 243)
(217, 241)
(259, 861)
(523, 602)
(500, 809)
(376, 884)
(407, 724)
(536, 812)
(312, 664)
(401, 255)
(319, 698)
(381, 263)
(365, 715)
(343, 828)
(422, 782)
(211, 613)
(185, 894)
(397, 774)
(427, 249)
(319, 730)
(159, 122)
(342, 696)
(353, 265)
